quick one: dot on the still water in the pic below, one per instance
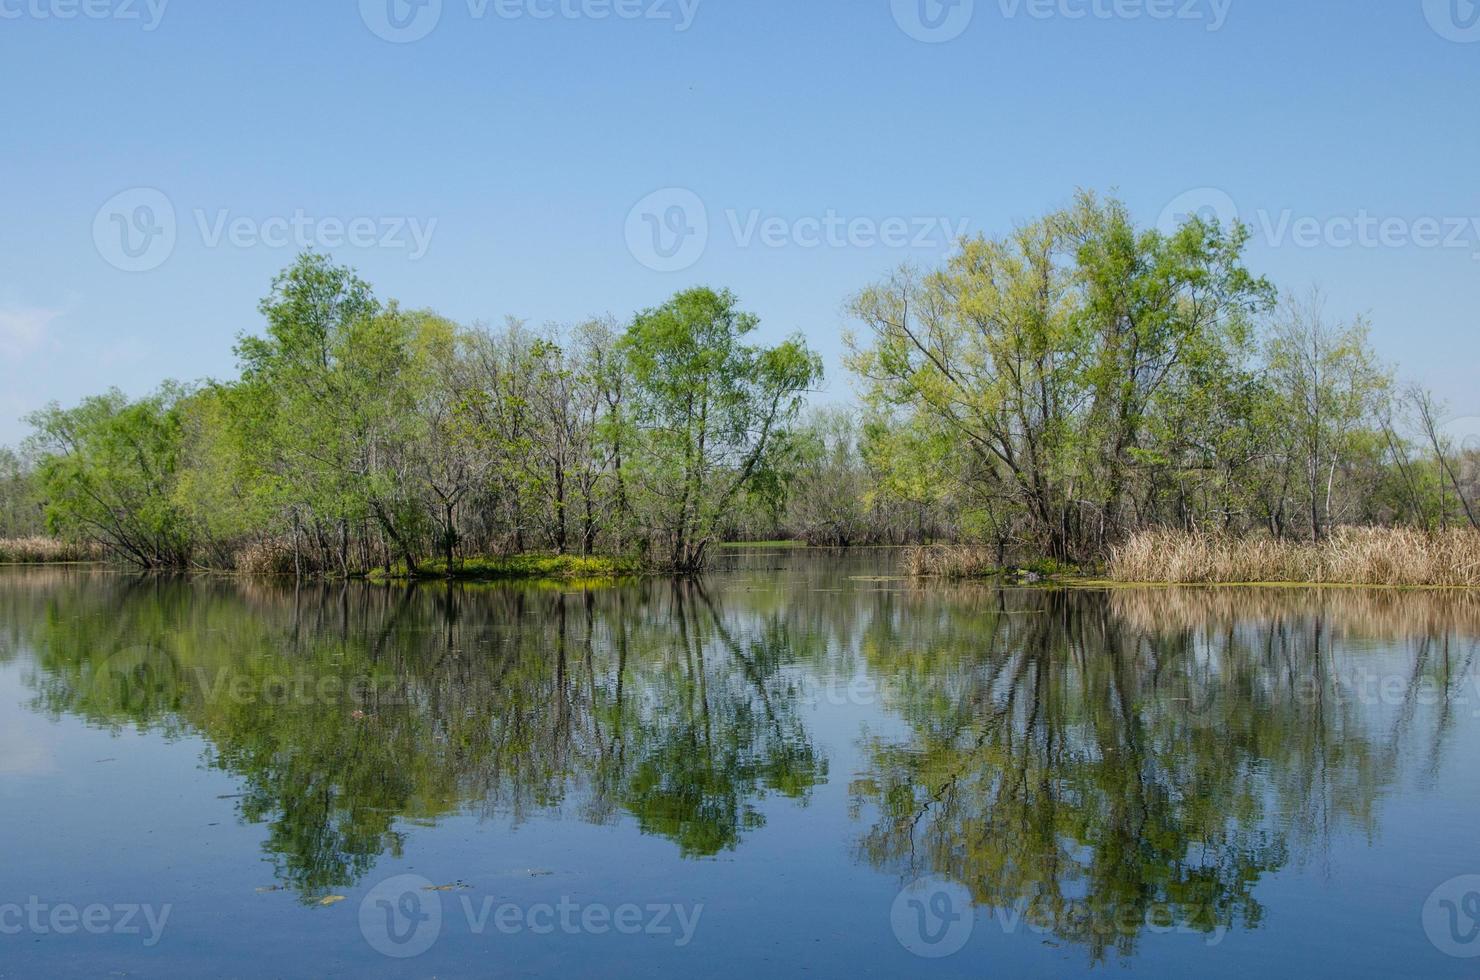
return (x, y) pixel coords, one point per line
(803, 765)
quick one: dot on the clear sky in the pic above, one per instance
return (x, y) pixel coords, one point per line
(161, 159)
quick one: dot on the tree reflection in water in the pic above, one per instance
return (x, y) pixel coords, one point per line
(1096, 763)
(349, 711)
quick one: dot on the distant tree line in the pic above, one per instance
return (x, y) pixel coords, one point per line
(361, 434)
(1046, 393)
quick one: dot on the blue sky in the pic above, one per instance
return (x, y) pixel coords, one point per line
(492, 167)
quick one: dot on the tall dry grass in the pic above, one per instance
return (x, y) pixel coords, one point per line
(1349, 556)
(266, 558)
(950, 561)
(45, 551)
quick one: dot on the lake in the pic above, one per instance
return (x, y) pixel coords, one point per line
(802, 765)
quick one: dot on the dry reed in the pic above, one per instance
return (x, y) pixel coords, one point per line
(266, 557)
(1349, 556)
(45, 551)
(950, 561)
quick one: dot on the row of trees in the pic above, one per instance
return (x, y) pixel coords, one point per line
(1056, 389)
(1048, 392)
(360, 433)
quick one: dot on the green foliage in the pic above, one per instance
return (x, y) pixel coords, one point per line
(555, 567)
(710, 414)
(1044, 394)
(109, 469)
(21, 504)
(328, 397)
(1057, 389)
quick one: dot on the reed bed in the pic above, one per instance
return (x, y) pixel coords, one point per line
(45, 551)
(267, 557)
(1349, 556)
(950, 561)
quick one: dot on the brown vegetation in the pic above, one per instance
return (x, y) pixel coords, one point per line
(1348, 556)
(45, 551)
(951, 561)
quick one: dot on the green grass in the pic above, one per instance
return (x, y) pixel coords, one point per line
(563, 568)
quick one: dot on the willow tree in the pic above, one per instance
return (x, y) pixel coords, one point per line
(712, 414)
(329, 395)
(109, 470)
(1048, 352)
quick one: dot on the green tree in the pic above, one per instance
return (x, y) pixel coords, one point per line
(711, 414)
(1330, 388)
(329, 398)
(108, 469)
(1045, 355)
(22, 512)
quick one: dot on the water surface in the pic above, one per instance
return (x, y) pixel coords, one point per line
(803, 765)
